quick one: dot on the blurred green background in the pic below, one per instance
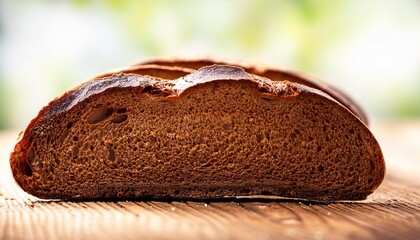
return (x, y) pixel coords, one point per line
(370, 49)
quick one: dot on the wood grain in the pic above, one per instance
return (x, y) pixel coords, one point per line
(392, 212)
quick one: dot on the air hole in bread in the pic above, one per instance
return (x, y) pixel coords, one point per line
(154, 91)
(267, 100)
(99, 115)
(69, 125)
(75, 138)
(294, 133)
(207, 164)
(64, 134)
(30, 156)
(260, 137)
(267, 136)
(111, 154)
(121, 110)
(56, 160)
(152, 139)
(119, 118)
(226, 126)
(320, 168)
(75, 151)
(25, 168)
(263, 90)
(372, 166)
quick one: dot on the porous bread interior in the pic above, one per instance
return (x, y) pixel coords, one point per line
(223, 138)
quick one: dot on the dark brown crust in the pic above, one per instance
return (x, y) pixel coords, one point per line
(156, 86)
(149, 85)
(268, 72)
(152, 70)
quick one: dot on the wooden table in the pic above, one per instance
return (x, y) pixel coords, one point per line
(392, 212)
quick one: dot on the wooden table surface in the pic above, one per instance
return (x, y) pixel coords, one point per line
(391, 212)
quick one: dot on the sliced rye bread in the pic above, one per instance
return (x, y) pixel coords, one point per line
(214, 133)
(274, 74)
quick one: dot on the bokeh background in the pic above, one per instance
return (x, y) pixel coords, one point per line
(370, 49)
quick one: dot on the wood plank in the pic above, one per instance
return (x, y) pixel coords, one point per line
(392, 212)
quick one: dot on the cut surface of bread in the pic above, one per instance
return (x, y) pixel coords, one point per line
(216, 132)
(274, 74)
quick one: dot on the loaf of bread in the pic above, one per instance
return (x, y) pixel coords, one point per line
(274, 74)
(215, 132)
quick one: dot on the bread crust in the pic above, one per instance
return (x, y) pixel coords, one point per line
(273, 73)
(152, 70)
(173, 90)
